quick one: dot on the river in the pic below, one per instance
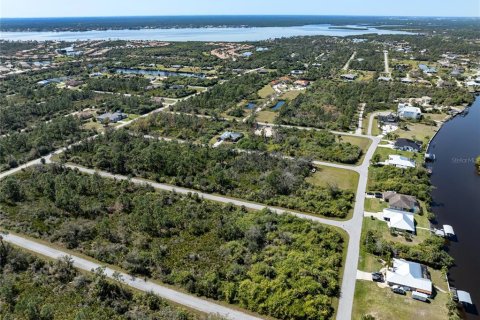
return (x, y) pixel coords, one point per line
(456, 197)
(199, 34)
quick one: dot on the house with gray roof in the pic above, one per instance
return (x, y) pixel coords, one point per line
(402, 202)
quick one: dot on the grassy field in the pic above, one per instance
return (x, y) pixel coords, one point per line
(93, 125)
(374, 205)
(266, 91)
(418, 131)
(375, 129)
(385, 152)
(382, 227)
(383, 304)
(266, 116)
(343, 179)
(290, 95)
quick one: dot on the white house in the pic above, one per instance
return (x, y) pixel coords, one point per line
(407, 111)
(411, 275)
(399, 220)
(400, 161)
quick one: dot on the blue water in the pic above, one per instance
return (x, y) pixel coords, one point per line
(196, 34)
(250, 105)
(278, 105)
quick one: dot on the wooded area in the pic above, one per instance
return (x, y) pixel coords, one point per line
(218, 251)
(251, 176)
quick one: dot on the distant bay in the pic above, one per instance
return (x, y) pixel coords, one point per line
(199, 34)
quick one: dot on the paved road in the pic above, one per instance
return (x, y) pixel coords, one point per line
(387, 68)
(207, 196)
(360, 119)
(146, 286)
(352, 227)
(347, 65)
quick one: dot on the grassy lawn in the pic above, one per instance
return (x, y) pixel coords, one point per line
(266, 116)
(385, 152)
(375, 205)
(418, 131)
(290, 95)
(382, 228)
(132, 117)
(383, 304)
(343, 179)
(368, 262)
(375, 129)
(93, 125)
(266, 91)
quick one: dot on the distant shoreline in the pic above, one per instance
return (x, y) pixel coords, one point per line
(79, 24)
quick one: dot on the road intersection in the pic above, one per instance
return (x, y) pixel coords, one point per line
(352, 227)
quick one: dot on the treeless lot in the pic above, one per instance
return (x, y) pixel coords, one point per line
(383, 304)
(343, 179)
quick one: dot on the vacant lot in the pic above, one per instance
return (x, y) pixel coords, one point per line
(329, 176)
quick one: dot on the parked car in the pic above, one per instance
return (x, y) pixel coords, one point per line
(378, 195)
(399, 290)
(419, 296)
(377, 276)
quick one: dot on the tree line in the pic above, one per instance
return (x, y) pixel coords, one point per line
(218, 251)
(252, 176)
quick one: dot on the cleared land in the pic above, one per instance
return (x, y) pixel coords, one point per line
(383, 304)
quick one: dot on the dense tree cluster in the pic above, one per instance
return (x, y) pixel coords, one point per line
(319, 145)
(218, 251)
(415, 182)
(120, 84)
(224, 96)
(180, 126)
(368, 59)
(34, 105)
(20, 147)
(430, 252)
(333, 104)
(252, 176)
(32, 288)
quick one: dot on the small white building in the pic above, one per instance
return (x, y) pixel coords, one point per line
(399, 220)
(407, 111)
(410, 275)
(400, 161)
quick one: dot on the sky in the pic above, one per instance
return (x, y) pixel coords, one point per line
(85, 8)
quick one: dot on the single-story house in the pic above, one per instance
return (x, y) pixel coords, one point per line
(384, 79)
(400, 201)
(407, 145)
(411, 275)
(406, 80)
(427, 69)
(112, 117)
(400, 161)
(388, 119)
(297, 72)
(74, 83)
(302, 83)
(348, 76)
(407, 111)
(399, 220)
(231, 136)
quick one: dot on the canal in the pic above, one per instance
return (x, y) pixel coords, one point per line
(456, 197)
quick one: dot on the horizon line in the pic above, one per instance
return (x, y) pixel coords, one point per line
(250, 15)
